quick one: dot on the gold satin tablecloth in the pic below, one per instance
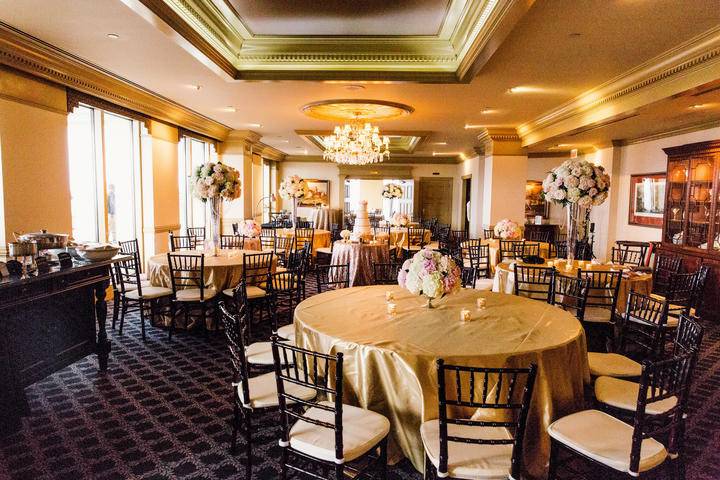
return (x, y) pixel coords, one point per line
(494, 248)
(321, 238)
(504, 280)
(398, 237)
(221, 272)
(360, 257)
(389, 363)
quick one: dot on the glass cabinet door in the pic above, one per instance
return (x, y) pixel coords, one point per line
(676, 202)
(700, 201)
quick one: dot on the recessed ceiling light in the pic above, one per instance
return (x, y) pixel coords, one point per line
(575, 34)
(253, 125)
(523, 89)
(698, 106)
(230, 109)
(468, 126)
(194, 86)
(487, 110)
(354, 87)
(438, 143)
(113, 36)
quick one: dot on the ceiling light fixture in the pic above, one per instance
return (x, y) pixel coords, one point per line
(438, 143)
(469, 126)
(698, 106)
(524, 89)
(254, 125)
(113, 36)
(356, 144)
(487, 110)
(194, 87)
(354, 88)
(230, 109)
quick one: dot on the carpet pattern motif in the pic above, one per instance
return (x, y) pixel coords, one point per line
(163, 411)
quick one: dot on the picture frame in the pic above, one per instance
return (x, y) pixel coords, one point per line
(647, 199)
(318, 193)
(535, 203)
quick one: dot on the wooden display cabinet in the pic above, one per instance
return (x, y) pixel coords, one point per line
(691, 223)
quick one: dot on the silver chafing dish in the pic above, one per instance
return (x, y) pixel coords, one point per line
(43, 239)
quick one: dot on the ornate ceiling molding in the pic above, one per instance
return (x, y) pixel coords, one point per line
(393, 160)
(471, 32)
(687, 66)
(33, 56)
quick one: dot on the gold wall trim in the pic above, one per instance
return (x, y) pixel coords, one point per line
(689, 65)
(31, 55)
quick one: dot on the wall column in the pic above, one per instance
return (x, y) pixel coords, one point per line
(236, 152)
(606, 230)
(504, 177)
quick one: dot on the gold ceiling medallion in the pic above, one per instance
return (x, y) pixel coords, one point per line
(356, 110)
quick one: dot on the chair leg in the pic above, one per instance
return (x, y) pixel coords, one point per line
(248, 445)
(383, 459)
(123, 312)
(554, 451)
(116, 308)
(153, 311)
(235, 421)
(339, 472)
(142, 318)
(203, 312)
(172, 320)
(283, 464)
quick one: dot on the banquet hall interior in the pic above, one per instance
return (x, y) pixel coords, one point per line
(468, 239)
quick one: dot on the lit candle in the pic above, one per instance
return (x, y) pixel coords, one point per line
(550, 263)
(391, 307)
(568, 267)
(481, 302)
(464, 315)
(389, 296)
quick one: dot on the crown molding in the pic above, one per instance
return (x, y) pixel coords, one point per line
(470, 34)
(687, 66)
(393, 160)
(28, 54)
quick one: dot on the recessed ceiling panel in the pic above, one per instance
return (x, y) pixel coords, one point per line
(341, 17)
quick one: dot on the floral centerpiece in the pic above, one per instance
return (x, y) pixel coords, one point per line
(507, 230)
(293, 188)
(431, 274)
(400, 220)
(391, 191)
(578, 185)
(216, 182)
(250, 228)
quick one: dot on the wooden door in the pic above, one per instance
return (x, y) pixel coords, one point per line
(435, 198)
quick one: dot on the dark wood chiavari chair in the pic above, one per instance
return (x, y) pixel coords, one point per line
(488, 233)
(132, 248)
(534, 282)
(323, 255)
(659, 411)
(570, 294)
(250, 394)
(332, 277)
(456, 239)
(300, 262)
(444, 240)
(665, 267)
(468, 448)
(284, 247)
(603, 288)
(132, 293)
(526, 249)
(235, 228)
(267, 238)
(627, 256)
(197, 234)
(187, 277)
(256, 274)
(560, 248)
(538, 236)
(304, 224)
(509, 248)
(319, 433)
(385, 273)
(303, 236)
(476, 264)
(181, 242)
(232, 241)
(680, 295)
(641, 331)
(414, 241)
(285, 292)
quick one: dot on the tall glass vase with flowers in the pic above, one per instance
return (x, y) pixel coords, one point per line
(215, 182)
(293, 188)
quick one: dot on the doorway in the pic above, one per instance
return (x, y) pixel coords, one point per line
(467, 185)
(435, 198)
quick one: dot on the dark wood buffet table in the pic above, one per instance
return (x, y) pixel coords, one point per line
(48, 322)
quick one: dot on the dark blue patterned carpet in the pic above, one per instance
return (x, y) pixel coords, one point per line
(163, 409)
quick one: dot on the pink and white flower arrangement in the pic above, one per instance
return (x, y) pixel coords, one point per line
(293, 187)
(577, 181)
(250, 228)
(508, 230)
(392, 190)
(400, 220)
(431, 274)
(216, 181)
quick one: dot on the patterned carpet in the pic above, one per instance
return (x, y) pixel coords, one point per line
(163, 411)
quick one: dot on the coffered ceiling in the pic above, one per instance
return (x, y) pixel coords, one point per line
(564, 71)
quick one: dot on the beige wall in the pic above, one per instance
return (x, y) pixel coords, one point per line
(33, 152)
(504, 188)
(537, 169)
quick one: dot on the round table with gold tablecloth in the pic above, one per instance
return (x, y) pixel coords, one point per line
(504, 280)
(321, 238)
(389, 361)
(360, 257)
(398, 237)
(494, 250)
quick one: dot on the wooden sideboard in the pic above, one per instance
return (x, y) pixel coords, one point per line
(691, 222)
(552, 230)
(48, 322)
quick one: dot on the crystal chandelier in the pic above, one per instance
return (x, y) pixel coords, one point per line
(356, 144)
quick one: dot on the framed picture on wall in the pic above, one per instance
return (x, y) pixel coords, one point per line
(318, 193)
(535, 203)
(647, 199)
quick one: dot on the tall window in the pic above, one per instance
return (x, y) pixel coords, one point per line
(193, 153)
(104, 161)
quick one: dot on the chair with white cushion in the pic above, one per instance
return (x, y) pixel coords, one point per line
(250, 394)
(534, 282)
(348, 440)
(610, 444)
(641, 331)
(133, 293)
(488, 448)
(255, 276)
(684, 293)
(476, 258)
(603, 288)
(570, 294)
(285, 292)
(190, 293)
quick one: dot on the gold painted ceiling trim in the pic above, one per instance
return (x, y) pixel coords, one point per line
(31, 55)
(454, 55)
(682, 68)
